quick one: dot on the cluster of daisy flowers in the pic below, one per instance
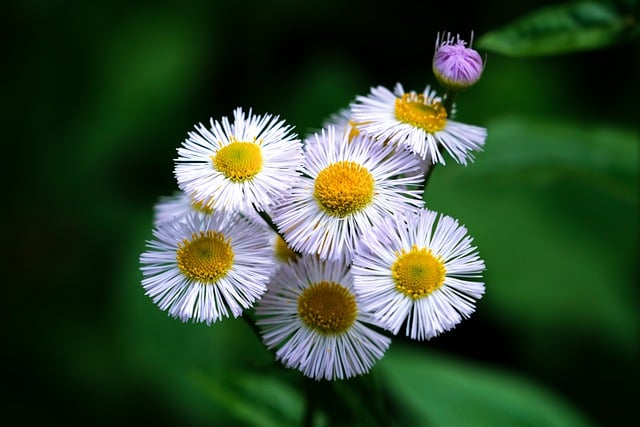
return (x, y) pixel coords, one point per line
(323, 243)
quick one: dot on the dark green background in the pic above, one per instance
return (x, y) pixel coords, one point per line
(98, 95)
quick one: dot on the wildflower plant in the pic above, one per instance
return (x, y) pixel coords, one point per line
(324, 243)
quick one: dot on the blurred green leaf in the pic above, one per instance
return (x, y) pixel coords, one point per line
(255, 399)
(438, 391)
(144, 72)
(562, 28)
(279, 397)
(605, 156)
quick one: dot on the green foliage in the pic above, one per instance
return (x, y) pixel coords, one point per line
(600, 155)
(415, 387)
(100, 94)
(433, 390)
(255, 399)
(563, 28)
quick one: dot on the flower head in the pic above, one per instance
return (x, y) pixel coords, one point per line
(312, 316)
(177, 207)
(349, 184)
(417, 269)
(455, 65)
(417, 122)
(251, 161)
(207, 267)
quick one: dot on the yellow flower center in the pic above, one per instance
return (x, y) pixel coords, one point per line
(418, 273)
(207, 257)
(239, 161)
(413, 110)
(343, 188)
(283, 252)
(327, 307)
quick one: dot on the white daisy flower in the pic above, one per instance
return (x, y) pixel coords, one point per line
(177, 207)
(421, 270)
(207, 267)
(349, 185)
(236, 165)
(312, 316)
(418, 122)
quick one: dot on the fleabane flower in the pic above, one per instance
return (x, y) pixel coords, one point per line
(177, 207)
(349, 184)
(455, 65)
(250, 161)
(207, 267)
(418, 122)
(314, 320)
(419, 270)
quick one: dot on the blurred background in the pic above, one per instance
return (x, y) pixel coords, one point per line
(98, 95)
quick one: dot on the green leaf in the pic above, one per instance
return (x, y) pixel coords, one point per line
(439, 391)
(562, 28)
(602, 156)
(279, 397)
(253, 398)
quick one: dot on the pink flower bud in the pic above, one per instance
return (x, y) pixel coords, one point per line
(455, 65)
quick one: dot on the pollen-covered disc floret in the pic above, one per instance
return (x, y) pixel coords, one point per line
(237, 165)
(349, 184)
(208, 267)
(327, 307)
(456, 65)
(416, 121)
(313, 319)
(206, 257)
(343, 188)
(418, 270)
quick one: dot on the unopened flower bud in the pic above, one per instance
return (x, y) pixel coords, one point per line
(455, 65)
